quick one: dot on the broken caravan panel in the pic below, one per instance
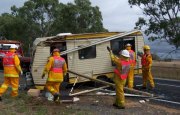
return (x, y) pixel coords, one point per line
(92, 60)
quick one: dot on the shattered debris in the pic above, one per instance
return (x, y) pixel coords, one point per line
(141, 101)
(33, 92)
(75, 99)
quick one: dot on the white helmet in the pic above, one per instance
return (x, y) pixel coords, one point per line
(13, 46)
(128, 44)
(125, 53)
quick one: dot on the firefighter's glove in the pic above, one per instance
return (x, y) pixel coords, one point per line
(65, 77)
(21, 72)
(64, 74)
(43, 75)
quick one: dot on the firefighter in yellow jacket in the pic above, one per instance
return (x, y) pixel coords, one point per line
(56, 69)
(132, 59)
(121, 72)
(146, 61)
(12, 69)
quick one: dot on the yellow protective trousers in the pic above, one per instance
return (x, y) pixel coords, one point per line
(147, 77)
(130, 80)
(14, 82)
(53, 87)
(120, 99)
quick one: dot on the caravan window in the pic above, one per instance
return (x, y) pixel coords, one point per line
(119, 44)
(87, 53)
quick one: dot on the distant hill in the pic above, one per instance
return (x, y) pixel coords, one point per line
(161, 48)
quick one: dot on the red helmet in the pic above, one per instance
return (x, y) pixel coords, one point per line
(56, 50)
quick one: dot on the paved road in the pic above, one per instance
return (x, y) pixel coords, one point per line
(169, 89)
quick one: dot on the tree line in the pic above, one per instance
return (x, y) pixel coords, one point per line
(40, 18)
(161, 19)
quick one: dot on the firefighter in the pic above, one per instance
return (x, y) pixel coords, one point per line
(146, 61)
(132, 60)
(12, 69)
(121, 73)
(56, 69)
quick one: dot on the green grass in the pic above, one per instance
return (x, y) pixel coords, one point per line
(41, 111)
(26, 105)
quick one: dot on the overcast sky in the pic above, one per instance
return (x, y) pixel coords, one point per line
(117, 14)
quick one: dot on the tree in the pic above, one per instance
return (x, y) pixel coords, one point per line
(14, 28)
(39, 15)
(80, 17)
(162, 19)
(40, 18)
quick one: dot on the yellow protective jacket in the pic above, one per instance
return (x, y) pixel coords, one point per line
(132, 58)
(54, 76)
(13, 71)
(146, 61)
(116, 61)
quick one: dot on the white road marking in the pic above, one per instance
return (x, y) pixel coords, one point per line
(167, 85)
(173, 102)
(161, 84)
(162, 79)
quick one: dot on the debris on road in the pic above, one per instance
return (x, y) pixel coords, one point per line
(141, 101)
(111, 84)
(75, 99)
(33, 92)
(87, 91)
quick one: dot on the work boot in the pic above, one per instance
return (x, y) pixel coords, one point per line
(143, 87)
(118, 107)
(152, 88)
(56, 97)
(0, 98)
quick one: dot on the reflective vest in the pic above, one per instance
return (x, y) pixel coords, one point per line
(8, 59)
(125, 66)
(132, 58)
(144, 60)
(58, 64)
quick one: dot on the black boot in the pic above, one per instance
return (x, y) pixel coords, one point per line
(56, 97)
(0, 98)
(144, 87)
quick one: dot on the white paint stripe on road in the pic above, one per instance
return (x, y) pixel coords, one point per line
(167, 79)
(139, 85)
(167, 85)
(173, 102)
(162, 79)
(161, 84)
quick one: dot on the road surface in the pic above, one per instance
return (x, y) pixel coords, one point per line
(168, 90)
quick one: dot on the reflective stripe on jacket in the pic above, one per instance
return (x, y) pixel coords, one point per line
(56, 71)
(132, 57)
(8, 59)
(125, 66)
(11, 62)
(58, 64)
(144, 60)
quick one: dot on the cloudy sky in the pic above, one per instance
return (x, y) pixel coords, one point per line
(117, 14)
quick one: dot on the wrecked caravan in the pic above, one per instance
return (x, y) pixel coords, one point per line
(84, 53)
